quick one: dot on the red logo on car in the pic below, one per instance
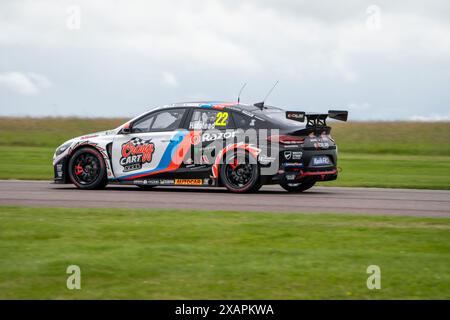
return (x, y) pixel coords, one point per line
(136, 152)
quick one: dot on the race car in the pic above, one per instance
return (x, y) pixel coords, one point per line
(233, 145)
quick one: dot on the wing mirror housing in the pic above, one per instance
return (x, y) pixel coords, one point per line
(126, 129)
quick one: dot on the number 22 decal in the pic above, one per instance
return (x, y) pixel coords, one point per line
(221, 119)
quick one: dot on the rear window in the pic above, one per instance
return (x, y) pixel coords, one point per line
(242, 121)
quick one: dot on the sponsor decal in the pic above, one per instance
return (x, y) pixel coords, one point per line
(194, 182)
(207, 136)
(294, 115)
(321, 161)
(221, 119)
(321, 145)
(319, 142)
(293, 164)
(155, 182)
(297, 155)
(166, 181)
(200, 125)
(196, 139)
(89, 137)
(210, 120)
(265, 159)
(59, 170)
(135, 153)
(292, 146)
(288, 155)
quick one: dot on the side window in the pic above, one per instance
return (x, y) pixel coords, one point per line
(168, 120)
(165, 120)
(242, 121)
(143, 125)
(210, 119)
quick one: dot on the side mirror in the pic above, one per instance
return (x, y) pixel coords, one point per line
(126, 129)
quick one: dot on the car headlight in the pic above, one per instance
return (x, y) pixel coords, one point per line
(62, 148)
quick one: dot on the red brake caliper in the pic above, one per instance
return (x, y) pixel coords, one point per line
(78, 170)
(233, 166)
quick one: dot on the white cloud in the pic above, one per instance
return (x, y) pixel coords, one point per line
(169, 79)
(248, 37)
(321, 52)
(23, 83)
(241, 36)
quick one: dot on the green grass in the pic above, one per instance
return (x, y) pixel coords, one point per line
(26, 162)
(49, 132)
(375, 154)
(393, 171)
(396, 138)
(156, 254)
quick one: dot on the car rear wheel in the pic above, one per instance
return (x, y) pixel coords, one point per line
(87, 169)
(298, 187)
(240, 177)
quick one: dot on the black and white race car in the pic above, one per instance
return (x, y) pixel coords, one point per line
(238, 146)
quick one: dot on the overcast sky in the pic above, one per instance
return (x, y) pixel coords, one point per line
(380, 60)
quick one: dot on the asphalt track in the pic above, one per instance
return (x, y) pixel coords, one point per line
(433, 203)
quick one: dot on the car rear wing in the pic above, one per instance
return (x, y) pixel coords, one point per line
(316, 119)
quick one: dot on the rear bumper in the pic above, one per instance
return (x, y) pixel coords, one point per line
(323, 175)
(302, 175)
(298, 166)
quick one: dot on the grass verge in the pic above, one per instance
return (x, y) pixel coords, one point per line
(371, 154)
(156, 254)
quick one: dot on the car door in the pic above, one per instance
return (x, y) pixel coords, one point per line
(150, 146)
(213, 127)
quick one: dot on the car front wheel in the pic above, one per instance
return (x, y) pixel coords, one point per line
(87, 169)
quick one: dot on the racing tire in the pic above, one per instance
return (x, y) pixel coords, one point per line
(297, 187)
(240, 178)
(87, 169)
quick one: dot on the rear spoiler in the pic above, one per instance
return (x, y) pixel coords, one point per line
(317, 119)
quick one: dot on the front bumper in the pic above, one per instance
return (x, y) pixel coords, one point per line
(60, 171)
